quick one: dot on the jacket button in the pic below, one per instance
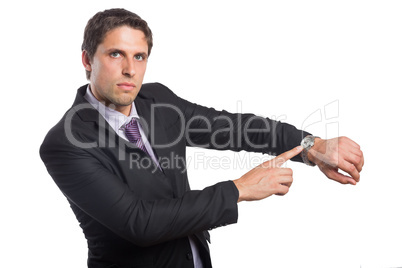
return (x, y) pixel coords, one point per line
(189, 256)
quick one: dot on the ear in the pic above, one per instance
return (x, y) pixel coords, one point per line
(85, 61)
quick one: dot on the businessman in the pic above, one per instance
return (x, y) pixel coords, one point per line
(116, 156)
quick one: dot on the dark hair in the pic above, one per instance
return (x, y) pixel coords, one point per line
(104, 21)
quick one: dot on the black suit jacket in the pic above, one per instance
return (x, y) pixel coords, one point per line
(133, 213)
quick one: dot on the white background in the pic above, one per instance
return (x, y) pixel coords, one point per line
(282, 59)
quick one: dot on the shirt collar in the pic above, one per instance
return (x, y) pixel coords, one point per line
(115, 119)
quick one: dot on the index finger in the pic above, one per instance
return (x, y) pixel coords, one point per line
(282, 158)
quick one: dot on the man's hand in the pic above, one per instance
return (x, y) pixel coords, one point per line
(267, 179)
(339, 153)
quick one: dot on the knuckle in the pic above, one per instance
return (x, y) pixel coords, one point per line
(354, 170)
(356, 159)
(358, 146)
(341, 140)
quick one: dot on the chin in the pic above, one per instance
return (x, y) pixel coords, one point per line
(125, 101)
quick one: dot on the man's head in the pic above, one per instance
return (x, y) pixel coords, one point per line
(103, 22)
(115, 51)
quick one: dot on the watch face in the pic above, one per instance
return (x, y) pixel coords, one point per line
(307, 142)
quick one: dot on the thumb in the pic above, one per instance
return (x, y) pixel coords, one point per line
(282, 158)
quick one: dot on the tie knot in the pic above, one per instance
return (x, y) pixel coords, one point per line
(132, 130)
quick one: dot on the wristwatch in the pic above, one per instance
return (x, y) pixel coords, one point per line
(307, 143)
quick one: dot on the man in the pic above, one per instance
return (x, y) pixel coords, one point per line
(116, 156)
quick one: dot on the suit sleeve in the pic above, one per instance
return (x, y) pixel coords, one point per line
(107, 199)
(221, 130)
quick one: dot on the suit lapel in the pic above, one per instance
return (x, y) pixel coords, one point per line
(152, 126)
(158, 135)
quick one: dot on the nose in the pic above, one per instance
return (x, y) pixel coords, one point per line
(129, 68)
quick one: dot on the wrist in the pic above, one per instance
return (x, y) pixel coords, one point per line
(239, 187)
(310, 155)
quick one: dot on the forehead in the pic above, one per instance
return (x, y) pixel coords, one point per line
(125, 38)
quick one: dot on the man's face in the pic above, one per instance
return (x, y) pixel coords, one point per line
(118, 67)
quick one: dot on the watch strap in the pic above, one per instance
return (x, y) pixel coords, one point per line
(307, 143)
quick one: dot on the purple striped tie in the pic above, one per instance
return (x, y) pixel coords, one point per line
(133, 134)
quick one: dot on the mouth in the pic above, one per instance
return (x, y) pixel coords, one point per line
(126, 86)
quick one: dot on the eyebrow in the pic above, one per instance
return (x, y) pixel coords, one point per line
(110, 50)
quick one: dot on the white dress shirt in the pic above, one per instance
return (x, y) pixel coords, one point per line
(118, 122)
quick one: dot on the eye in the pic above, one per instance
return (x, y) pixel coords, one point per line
(115, 54)
(139, 57)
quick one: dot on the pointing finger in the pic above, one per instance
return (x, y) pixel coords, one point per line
(282, 158)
